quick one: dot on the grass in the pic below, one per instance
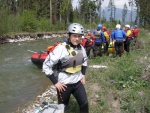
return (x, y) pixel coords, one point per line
(124, 86)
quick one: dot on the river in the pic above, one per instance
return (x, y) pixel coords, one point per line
(20, 80)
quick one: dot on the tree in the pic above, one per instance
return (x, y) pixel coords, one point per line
(66, 10)
(50, 4)
(137, 11)
(110, 8)
(84, 4)
(114, 12)
(144, 15)
(55, 12)
(99, 3)
(104, 14)
(76, 13)
(131, 5)
(124, 12)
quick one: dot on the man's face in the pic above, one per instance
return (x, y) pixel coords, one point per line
(88, 33)
(75, 39)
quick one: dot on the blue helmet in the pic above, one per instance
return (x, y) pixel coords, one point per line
(135, 26)
(99, 26)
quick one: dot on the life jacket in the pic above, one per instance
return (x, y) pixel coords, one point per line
(118, 35)
(51, 48)
(85, 42)
(98, 38)
(107, 36)
(109, 32)
(129, 33)
(88, 40)
(74, 63)
(97, 34)
(135, 32)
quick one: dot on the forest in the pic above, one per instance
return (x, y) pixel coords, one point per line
(18, 16)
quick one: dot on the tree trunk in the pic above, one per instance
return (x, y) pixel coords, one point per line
(50, 12)
(55, 12)
(137, 15)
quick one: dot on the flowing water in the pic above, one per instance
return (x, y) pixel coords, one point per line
(20, 80)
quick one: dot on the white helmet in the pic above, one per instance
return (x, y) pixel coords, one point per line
(118, 26)
(127, 26)
(76, 28)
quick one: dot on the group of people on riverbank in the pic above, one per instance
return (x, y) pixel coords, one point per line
(101, 39)
(71, 59)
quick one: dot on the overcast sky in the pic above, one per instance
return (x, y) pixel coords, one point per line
(118, 3)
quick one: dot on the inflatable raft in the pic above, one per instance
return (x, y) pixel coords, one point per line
(38, 58)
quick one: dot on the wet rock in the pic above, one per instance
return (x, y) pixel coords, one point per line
(48, 96)
(28, 37)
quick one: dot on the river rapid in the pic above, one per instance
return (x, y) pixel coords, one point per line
(20, 80)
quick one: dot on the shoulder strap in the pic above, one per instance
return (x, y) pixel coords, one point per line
(70, 49)
(51, 48)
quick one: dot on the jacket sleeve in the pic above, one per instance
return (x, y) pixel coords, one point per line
(83, 70)
(124, 35)
(84, 64)
(52, 59)
(52, 78)
(94, 31)
(103, 37)
(84, 57)
(112, 35)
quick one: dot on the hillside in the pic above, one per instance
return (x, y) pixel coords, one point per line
(119, 14)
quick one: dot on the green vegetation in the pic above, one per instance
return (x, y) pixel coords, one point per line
(53, 15)
(124, 86)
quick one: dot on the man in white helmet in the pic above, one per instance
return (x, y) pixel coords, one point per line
(129, 38)
(71, 59)
(119, 37)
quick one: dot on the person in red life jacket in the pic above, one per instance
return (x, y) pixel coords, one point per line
(107, 38)
(88, 42)
(135, 34)
(128, 39)
(99, 41)
(71, 60)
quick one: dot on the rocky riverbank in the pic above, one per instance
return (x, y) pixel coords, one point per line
(50, 96)
(29, 36)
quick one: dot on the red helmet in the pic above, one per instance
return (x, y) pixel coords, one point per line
(104, 28)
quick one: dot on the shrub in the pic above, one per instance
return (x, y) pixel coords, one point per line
(44, 24)
(3, 23)
(28, 21)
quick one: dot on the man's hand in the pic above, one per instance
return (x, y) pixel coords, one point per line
(61, 87)
(83, 79)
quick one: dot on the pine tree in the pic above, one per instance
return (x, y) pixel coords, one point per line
(124, 12)
(110, 8)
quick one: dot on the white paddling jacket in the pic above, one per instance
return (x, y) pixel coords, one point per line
(70, 61)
